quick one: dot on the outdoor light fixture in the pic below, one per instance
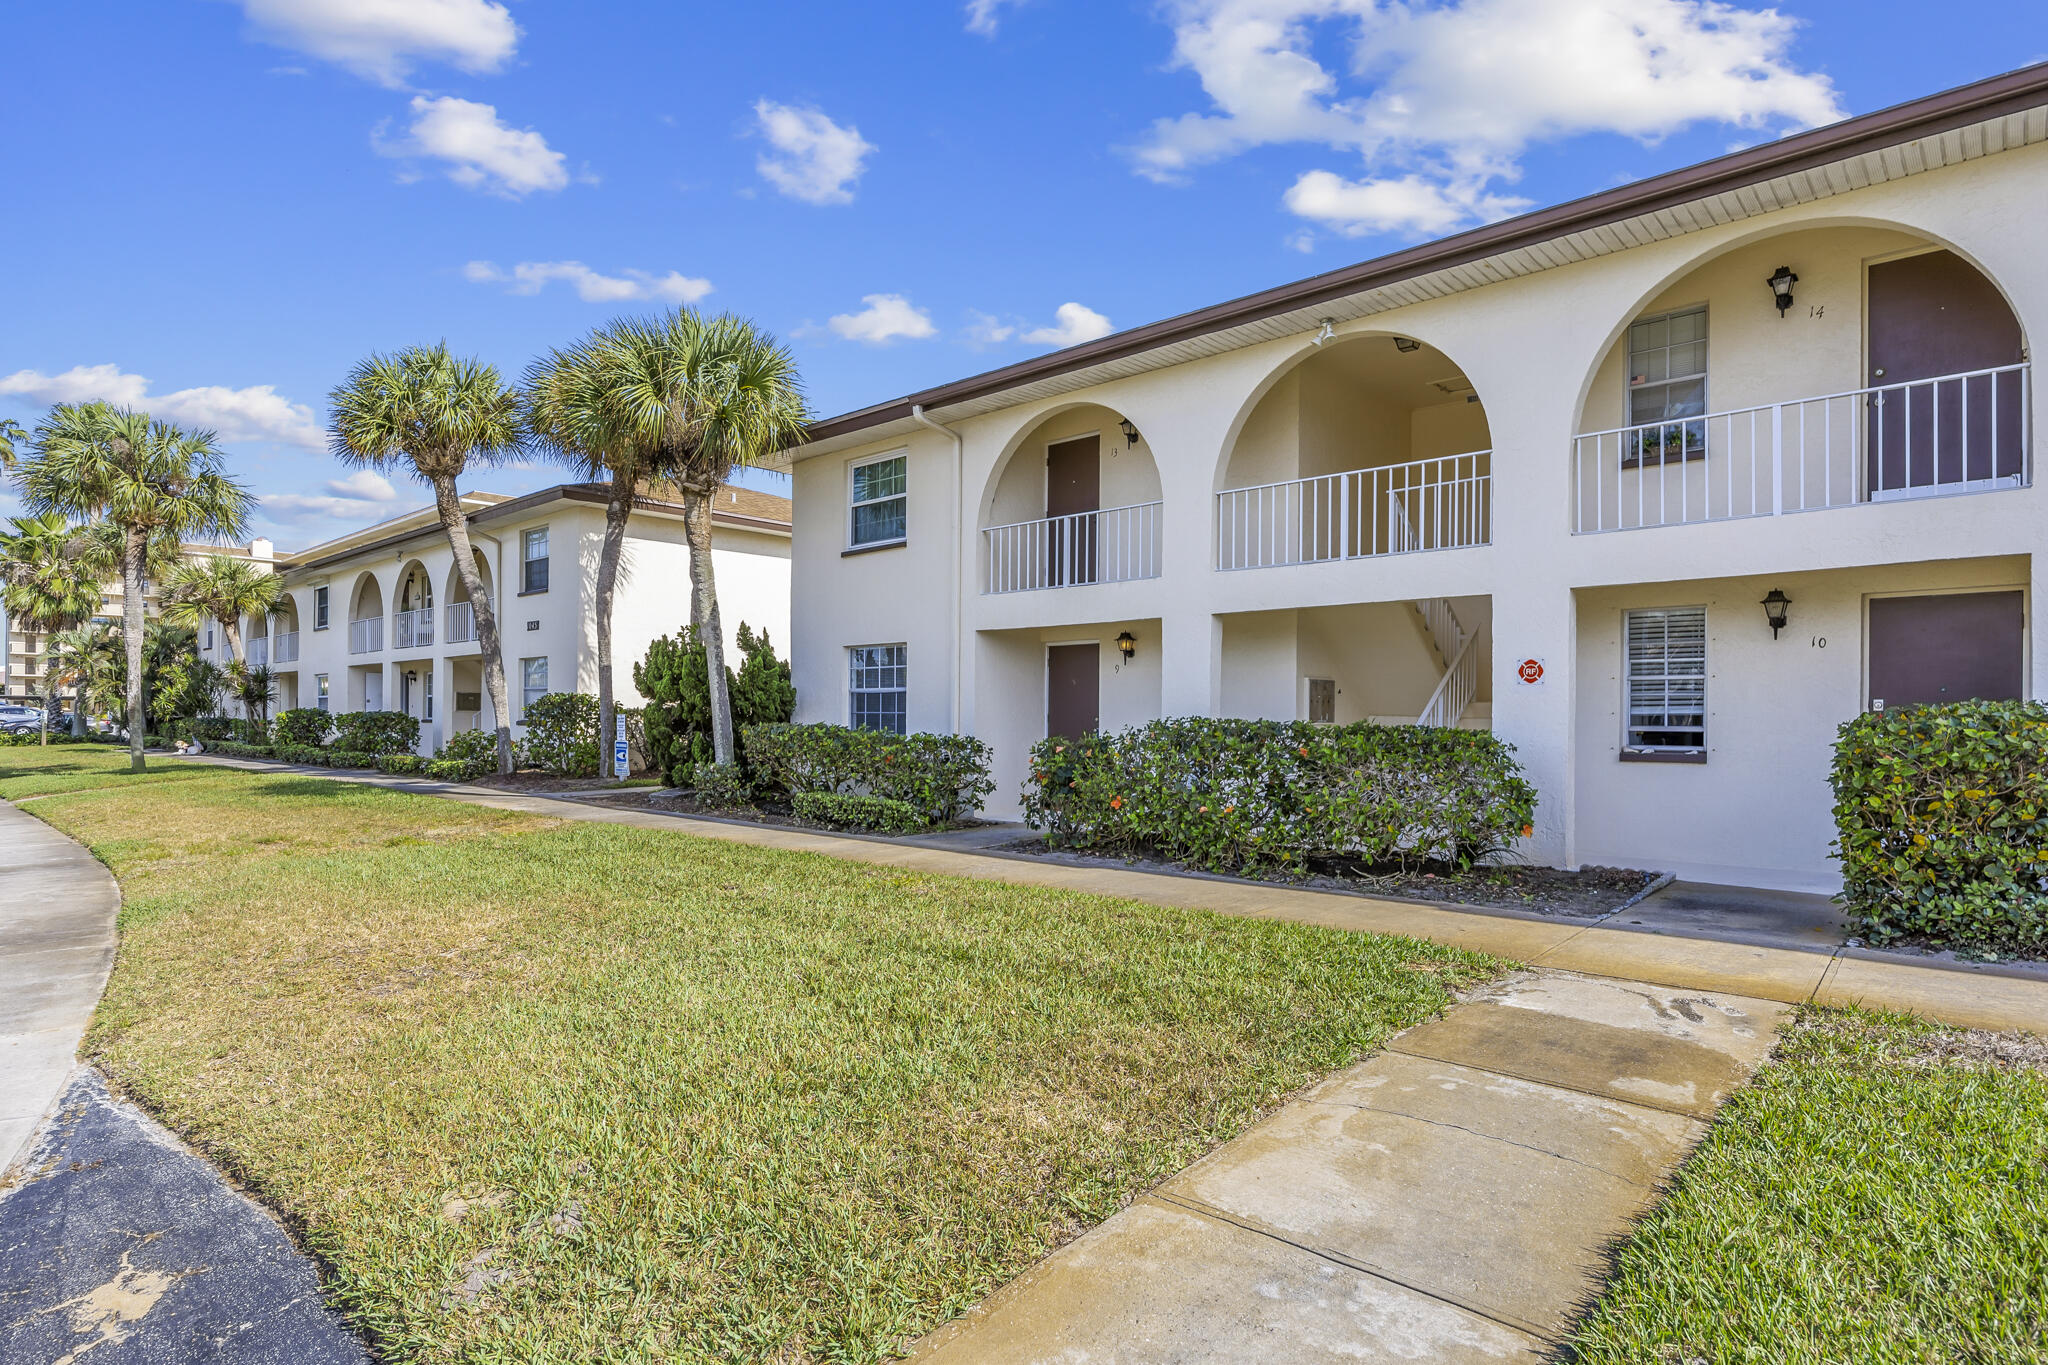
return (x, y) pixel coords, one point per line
(1406, 344)
(1130, 432)
(1126, 645)
(1781, 287)
(1326, 330)
(1774, 604)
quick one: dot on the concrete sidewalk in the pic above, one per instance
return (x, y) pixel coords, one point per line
(1450, 1200)
(57, 909)
(1967, 995)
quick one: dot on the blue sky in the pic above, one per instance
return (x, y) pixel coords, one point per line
(217, 206)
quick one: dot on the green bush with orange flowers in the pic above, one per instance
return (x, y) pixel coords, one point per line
(1941, 823)
(1243, 795)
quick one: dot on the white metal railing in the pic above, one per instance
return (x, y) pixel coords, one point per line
(258, 651)
(461, 623)
(412, 629)
(1455, 691)
(284, 647)
(1436, 504)
(366, 636)
(1957, 433)
(1114, 545)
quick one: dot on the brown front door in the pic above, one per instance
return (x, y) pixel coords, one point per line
(1958, 646)
(1073, 488)
(1930, 315)
(1073, 690)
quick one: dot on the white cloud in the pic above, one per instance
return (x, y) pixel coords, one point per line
(815, 159)
(381, 39)
(886, 318)
(983, 16)
(257, 413)
(530, 277)
(1074, 324)
(986, 329)
(1440, 99)
(481, 151)
(361, 493)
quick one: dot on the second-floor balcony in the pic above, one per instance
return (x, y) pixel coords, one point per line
(461, 624)
(1435, 504)
(284, 647)
(1957, 433)
(366, 635)
(413, 629)
(259, 652)
(1114, 545)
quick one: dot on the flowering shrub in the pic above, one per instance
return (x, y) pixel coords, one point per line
(561, 734)
(1245, 794)
(1941, 820)
(875, 814)
(942, 777)
(375, 733)
(302, 727)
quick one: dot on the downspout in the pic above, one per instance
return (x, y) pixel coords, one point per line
(959, 584)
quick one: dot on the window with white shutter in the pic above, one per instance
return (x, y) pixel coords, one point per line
(1664, 681)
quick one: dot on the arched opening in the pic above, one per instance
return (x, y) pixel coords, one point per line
(460, 615)
(1366, 446)
(284, 631)
(413, 624)
(1074, 501)
(366, 616)
(1880, 365)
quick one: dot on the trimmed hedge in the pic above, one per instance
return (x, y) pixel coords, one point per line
(236, 750)
(721, 786)
(401, 764)
(465, 756)
(302, 754)
(302, 727)
(376, 733)
(561, 734)
(873, 814)
(56, 737)
(1941, 820)
(1232, 795)
(942, 777)
(338, 757)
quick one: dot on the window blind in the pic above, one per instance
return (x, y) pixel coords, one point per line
(1665, 678)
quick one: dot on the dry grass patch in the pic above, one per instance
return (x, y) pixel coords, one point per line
(573, 1092)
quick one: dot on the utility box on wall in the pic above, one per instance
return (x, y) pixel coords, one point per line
(469, 701)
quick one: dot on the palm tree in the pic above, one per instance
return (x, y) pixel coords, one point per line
(87, 659)
(150, 480)
(44, 582)
(702, 395)
(11, 435)
(254, 688)
(427, 413)
(223, 588)
(574, 416)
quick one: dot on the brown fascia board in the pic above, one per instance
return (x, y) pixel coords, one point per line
(1996, 97)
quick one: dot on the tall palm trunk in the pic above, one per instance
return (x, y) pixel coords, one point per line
(704, 616)
(132, 549)
(617, 510)
(43, 720)
(449, 504)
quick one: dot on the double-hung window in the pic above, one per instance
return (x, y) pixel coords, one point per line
(876, 687)
(319, 608)
(533, 560)
(1664, 683)
(320, 690)
(879, 500)
(533, 683)
(1667, 387)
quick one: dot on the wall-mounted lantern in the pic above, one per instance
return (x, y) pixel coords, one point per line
(1781, 287)
(1130, 432)
(1126, 645)
(1406, 345)
(1775, 604)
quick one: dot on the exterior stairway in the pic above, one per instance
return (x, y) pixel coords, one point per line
(1457, 650)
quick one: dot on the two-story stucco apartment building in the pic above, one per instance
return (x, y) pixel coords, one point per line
(1554, 476)
(378, 619)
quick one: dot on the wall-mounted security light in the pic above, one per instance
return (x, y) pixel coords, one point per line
(1781, 287)
(1326, 329)
(1775, 605)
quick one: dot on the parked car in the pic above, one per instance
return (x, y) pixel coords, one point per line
(17, 720)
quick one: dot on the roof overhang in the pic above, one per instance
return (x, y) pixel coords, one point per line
(1954, 126)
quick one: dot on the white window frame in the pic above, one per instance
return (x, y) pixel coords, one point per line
(320, 698)
(1631, 388)
(320, 607)
(1668, 753)
(854, 665)
(851, 506)
(527, 695)
(527, 558)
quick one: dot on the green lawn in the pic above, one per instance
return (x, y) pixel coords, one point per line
(688, 1100)
(1878, 1196)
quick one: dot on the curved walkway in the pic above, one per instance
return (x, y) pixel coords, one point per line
(57, 910)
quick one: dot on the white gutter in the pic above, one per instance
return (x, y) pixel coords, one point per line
(952, 539)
